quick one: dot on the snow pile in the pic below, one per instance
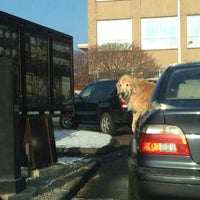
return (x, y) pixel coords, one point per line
(81, 139)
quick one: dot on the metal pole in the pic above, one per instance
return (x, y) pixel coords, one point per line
(179, 29)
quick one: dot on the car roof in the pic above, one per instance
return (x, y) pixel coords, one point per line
(181, 65)
(103, 80)
(106, 80)
(185, 64)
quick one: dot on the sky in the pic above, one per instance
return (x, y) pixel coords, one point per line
(67, 16)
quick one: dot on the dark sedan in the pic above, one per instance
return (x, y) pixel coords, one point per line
(164, 155)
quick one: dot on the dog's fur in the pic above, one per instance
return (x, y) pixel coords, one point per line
(136, 93)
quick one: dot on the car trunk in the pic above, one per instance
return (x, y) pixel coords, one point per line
(189, 121)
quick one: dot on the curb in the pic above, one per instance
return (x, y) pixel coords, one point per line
(82, 151)
(74, 186)
(64, 188)
(112, 146)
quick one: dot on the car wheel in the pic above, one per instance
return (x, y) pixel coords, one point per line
(68, 122)
(107, 124)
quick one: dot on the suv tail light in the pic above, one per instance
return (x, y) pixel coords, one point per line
(163, 139)
(123, 103)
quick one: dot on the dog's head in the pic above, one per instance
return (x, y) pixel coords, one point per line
(126, 86)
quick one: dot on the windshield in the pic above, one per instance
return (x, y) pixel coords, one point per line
(181, 83)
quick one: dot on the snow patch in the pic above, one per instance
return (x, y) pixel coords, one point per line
(81, 139)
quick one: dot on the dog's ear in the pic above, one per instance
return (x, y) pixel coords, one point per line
(118, 83)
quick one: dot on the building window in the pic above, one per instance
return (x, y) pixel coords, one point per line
(159, 33)
(114, 31)
(193, 31)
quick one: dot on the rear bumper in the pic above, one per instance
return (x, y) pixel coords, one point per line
(163, 183)
(122, 117)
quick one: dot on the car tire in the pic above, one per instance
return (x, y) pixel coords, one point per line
(107, 125)
(68, 122)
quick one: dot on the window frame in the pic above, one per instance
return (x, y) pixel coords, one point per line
(113, 26)
(190, 43)
(159, 35)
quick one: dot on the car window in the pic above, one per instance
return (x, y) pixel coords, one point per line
(110, 88)
(86, 92)
(183, 84)
(100, 91)
(104, 90)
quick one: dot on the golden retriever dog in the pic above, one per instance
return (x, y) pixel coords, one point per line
(136, 93)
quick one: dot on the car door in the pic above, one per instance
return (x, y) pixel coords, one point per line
(96, 97)
(81, 103)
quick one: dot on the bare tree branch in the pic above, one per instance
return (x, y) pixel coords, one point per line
(113, 60)
(80, 69)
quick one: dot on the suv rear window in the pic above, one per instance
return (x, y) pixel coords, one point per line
(182, 83)
(104, 89)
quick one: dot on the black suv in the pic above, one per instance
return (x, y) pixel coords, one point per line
(98, 103)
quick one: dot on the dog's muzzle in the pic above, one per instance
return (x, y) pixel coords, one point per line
(123, 95)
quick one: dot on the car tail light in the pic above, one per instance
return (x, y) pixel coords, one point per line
(163, 139)
(123, 103)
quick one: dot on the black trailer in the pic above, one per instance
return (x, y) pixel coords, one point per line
(36, 84)
(43, 62)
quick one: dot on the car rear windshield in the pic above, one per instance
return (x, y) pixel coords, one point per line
(104, 89)
(182, 83)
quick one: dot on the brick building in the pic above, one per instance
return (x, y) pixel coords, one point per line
(168, 29)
